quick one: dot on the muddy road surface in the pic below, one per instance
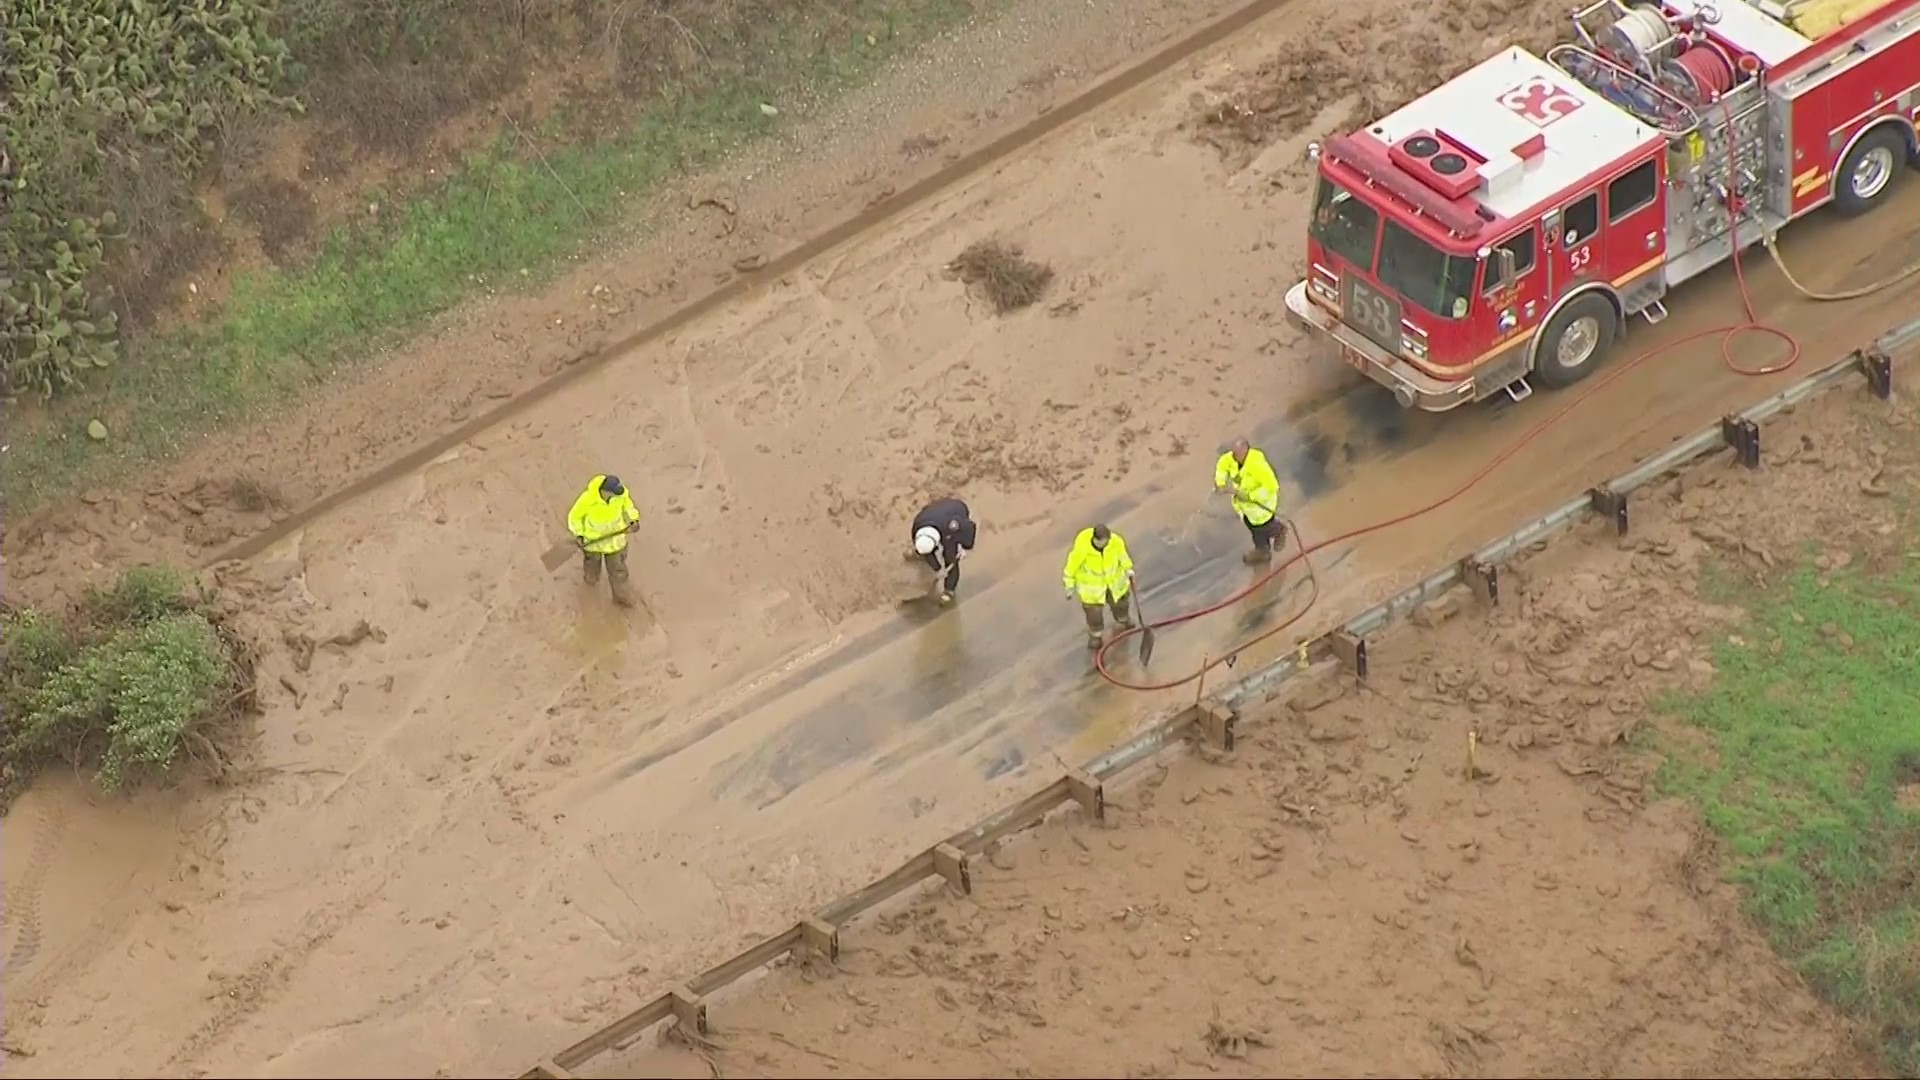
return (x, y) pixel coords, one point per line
(492, 811)
(1335, 898)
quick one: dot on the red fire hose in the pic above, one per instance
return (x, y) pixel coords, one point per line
(1304, 551)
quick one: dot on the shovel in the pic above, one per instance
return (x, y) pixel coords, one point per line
(562, 550)
(913, 591)
(1146, 629)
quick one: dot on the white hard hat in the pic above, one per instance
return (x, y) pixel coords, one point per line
(926, 540)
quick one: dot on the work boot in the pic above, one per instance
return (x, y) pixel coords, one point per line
(1258, 556)
(622, 595)
(946, 598)
(1094, 641)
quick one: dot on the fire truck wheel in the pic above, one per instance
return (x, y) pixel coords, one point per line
(1575, 342)
(1870, 168)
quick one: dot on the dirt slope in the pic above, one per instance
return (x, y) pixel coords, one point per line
(1338, 899)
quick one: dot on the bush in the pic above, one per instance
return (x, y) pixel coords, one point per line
(138, 674)
(91, 89)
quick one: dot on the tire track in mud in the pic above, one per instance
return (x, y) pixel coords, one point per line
(875, 215)
(261, 982)
(36, 965)
(23, 895)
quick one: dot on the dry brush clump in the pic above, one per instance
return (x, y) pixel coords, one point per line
(131, 680)
(252, 495)
(1003, 274)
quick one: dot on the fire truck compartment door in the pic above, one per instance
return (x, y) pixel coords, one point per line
(1635, 225)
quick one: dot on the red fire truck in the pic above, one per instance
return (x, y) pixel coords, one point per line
(1502, 229)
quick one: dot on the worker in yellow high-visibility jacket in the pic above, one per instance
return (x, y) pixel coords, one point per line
(600, 520)
(1099, 574)
(1245, 476)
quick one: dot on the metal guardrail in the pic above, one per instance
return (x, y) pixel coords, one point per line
(1213, 719)
(1738, 431)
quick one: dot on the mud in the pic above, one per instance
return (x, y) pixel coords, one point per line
(1409, 49)
(501, 816)
(1355, 892)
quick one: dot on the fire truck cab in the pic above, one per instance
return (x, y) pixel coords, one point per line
(1500, 230)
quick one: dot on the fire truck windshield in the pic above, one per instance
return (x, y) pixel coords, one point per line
(1424, 275)
(1351, 230)
(1344, 225)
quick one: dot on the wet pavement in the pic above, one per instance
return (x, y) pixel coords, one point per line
(1002, 678)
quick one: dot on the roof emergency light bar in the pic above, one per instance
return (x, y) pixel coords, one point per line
(1380, 171)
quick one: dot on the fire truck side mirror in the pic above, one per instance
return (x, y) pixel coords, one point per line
(1313, 151)
(1500, 268)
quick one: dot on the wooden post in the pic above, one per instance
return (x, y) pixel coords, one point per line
(1878, 367)
(690, 1011)
(1352, 652)
(1609, 504)
(951, 863)
(820, 938)
(1216, 725)
(1483, 579)
(1089, 793)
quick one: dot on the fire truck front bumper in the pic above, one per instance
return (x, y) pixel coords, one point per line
(1411, 387)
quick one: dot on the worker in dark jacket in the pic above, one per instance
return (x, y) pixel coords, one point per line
(942, 533)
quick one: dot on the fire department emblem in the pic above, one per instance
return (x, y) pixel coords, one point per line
(1540, 102)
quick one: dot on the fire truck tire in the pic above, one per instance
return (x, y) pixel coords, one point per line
(1867, 174)
(1576, 341)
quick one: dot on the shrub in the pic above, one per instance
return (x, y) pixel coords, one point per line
(139, 596)
(136, 675)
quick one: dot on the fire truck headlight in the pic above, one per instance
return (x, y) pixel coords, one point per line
(1414, 347)
(1323, 290)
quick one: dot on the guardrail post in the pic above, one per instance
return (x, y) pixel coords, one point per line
(1352, 651)
(690, 1010)
(1089, 792)
(820, 938)
(951, 863)
(1214, 722)
(1877, 366)
(1482, 578)
(1744, 436)
(1609, 503)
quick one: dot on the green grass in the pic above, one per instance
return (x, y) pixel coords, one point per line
(1809, 778)
(504, 221)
